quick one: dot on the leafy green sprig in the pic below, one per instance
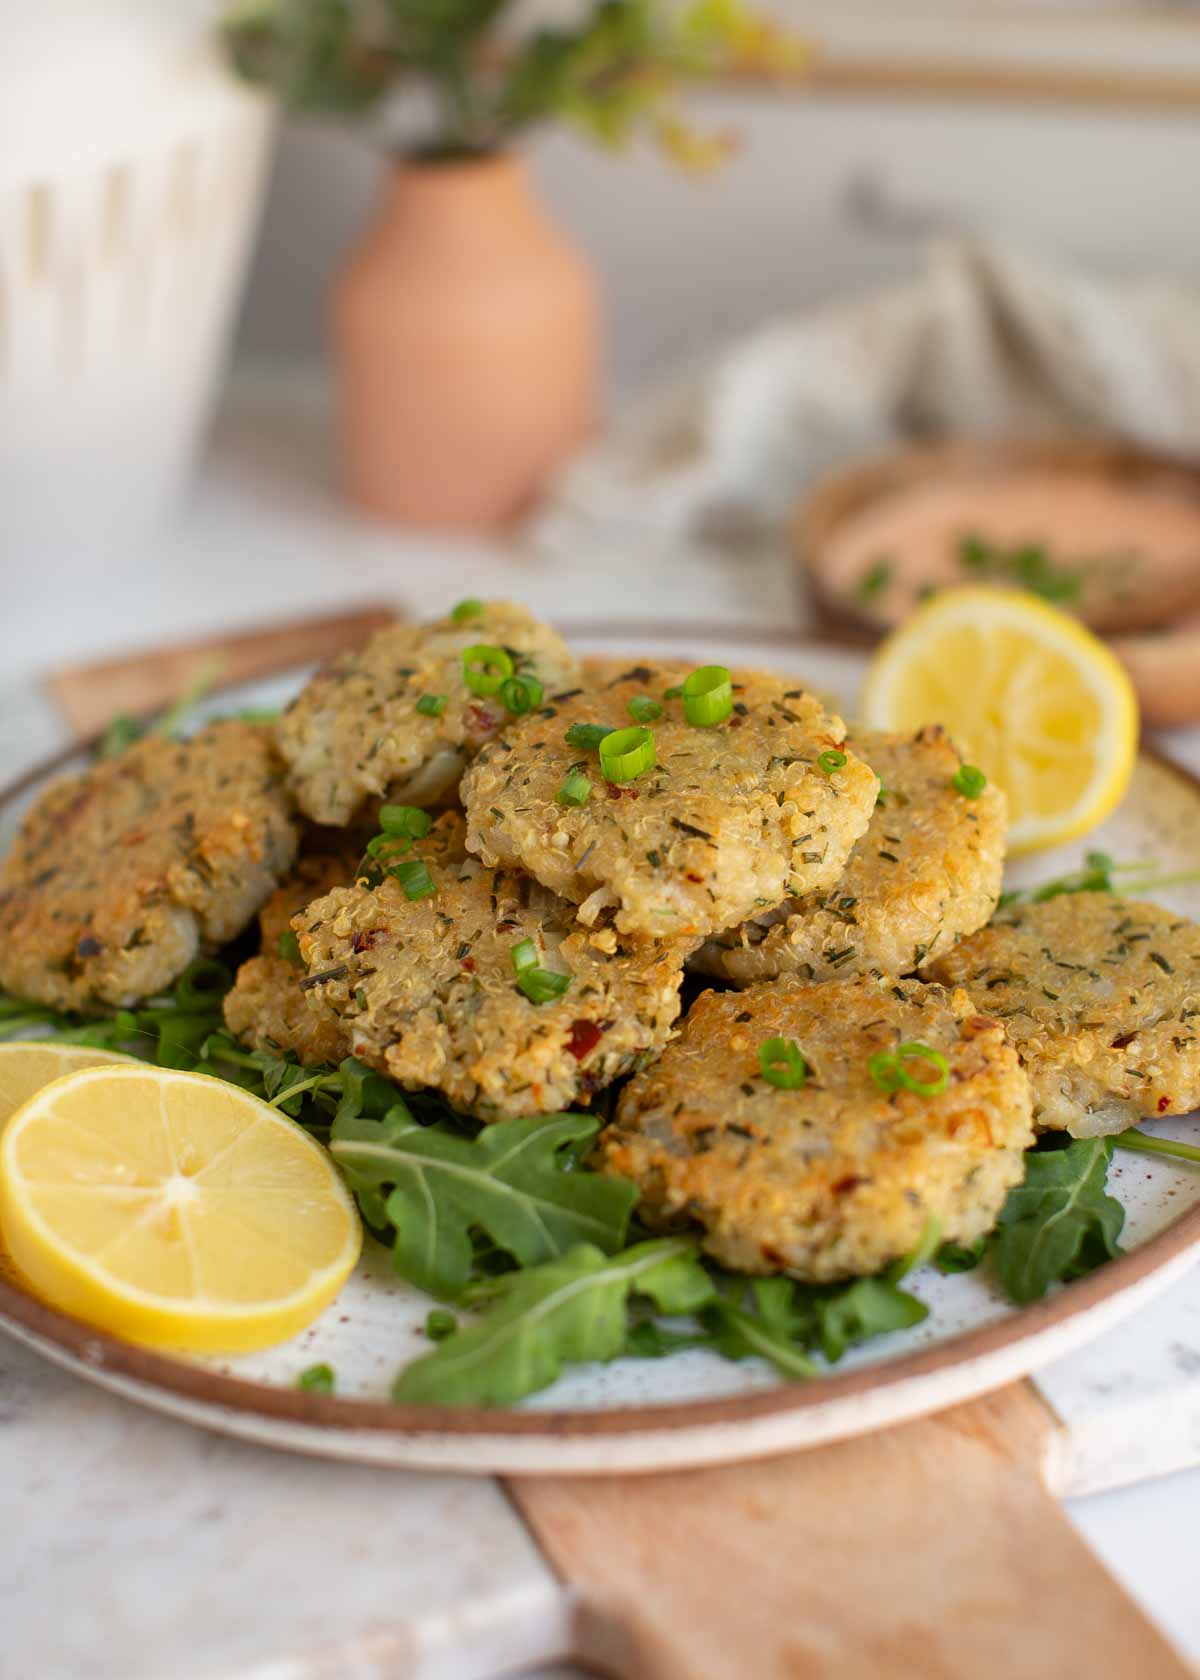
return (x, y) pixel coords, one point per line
(1101, 873)
(1059, 1223)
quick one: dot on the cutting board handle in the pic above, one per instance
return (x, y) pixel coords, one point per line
(928, 1551)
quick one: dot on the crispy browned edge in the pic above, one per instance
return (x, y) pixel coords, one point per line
(102, 1352)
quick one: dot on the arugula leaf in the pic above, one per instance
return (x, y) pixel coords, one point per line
(868, 1307)
(738, 1334)
(1060, 1223)
(435, 1187)
(955, 1257)
(566, 1311)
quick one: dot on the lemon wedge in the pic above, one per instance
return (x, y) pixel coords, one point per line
(173, 1209)
(26, 1065)
(1028, 695)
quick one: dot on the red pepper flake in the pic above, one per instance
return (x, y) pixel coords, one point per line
(615, 792)
(585, 1035)
(365, 940)
(469, 964)
(481, 720)
(1164, 1104)
(843, 1186)
(699, 879)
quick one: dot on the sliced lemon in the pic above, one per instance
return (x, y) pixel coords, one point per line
(173, 1209)
(1027, 694)
(25, 1066)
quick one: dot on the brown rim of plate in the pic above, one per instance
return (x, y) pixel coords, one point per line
(116, 1358)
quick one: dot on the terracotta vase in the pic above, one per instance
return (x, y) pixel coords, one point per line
(466, 335)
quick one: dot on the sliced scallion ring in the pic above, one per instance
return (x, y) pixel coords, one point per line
(707, 696)
(540, 985)
(969, 781)
(626, 754)
(888, 1071)
(521, 694)
(642, 709)
(466, 610)
(831, 761)
(485, 668)
(782, 1063)
(431, 705)
(576, 789)
(414, 879)
(407, 820)
(586, 735)
(524, 955)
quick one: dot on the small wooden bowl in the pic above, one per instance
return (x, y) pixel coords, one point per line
(1155, 627)
(845, 495)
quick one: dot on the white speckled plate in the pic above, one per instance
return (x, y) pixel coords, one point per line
(694, 1407)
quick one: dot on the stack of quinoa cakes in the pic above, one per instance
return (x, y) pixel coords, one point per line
(488, 870)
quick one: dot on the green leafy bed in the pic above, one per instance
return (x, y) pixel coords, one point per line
(506, 1223)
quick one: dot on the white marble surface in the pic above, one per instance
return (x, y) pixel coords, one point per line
(147, 1550)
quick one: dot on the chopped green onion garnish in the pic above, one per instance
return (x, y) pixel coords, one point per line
(289, 946)
(524, 955)
(873, 581)
(707, 696)
(407, 820)
(521, 694)
(782, 1063)
(888, 1071)
(122, 732)
(884, 790)
(644, 710)
(576, 789)
(318, 1379)
(540, 985)
(969, 781)
(439, 1324)
(466, 610)
(485, 668)
(414, 878)
(626, 754)
(586, 735)
(831, 761)
(431, 705)
(675, 693)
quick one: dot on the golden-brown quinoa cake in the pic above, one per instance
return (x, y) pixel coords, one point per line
(1101, 996)
(730, 820)
(121, 875)
(836, 1178)
(926, 873)
(267, 1009)
(428, 995)
(355, 732)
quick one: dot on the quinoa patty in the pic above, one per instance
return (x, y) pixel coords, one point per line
(926, 873)
(356, 731)
(730, 819)
(836, 1178)
(267, 1008)
(1101, 996)
(122, 874)
(428, 994)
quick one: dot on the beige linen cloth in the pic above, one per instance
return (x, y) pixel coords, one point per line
(988, 340)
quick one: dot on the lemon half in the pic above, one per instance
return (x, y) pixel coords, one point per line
(1029, 695)
(173, 1209)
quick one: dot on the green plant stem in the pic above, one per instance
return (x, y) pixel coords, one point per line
(1141, 1144)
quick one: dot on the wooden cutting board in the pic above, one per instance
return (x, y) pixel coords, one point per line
(936, 1549)
(931, 1551)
